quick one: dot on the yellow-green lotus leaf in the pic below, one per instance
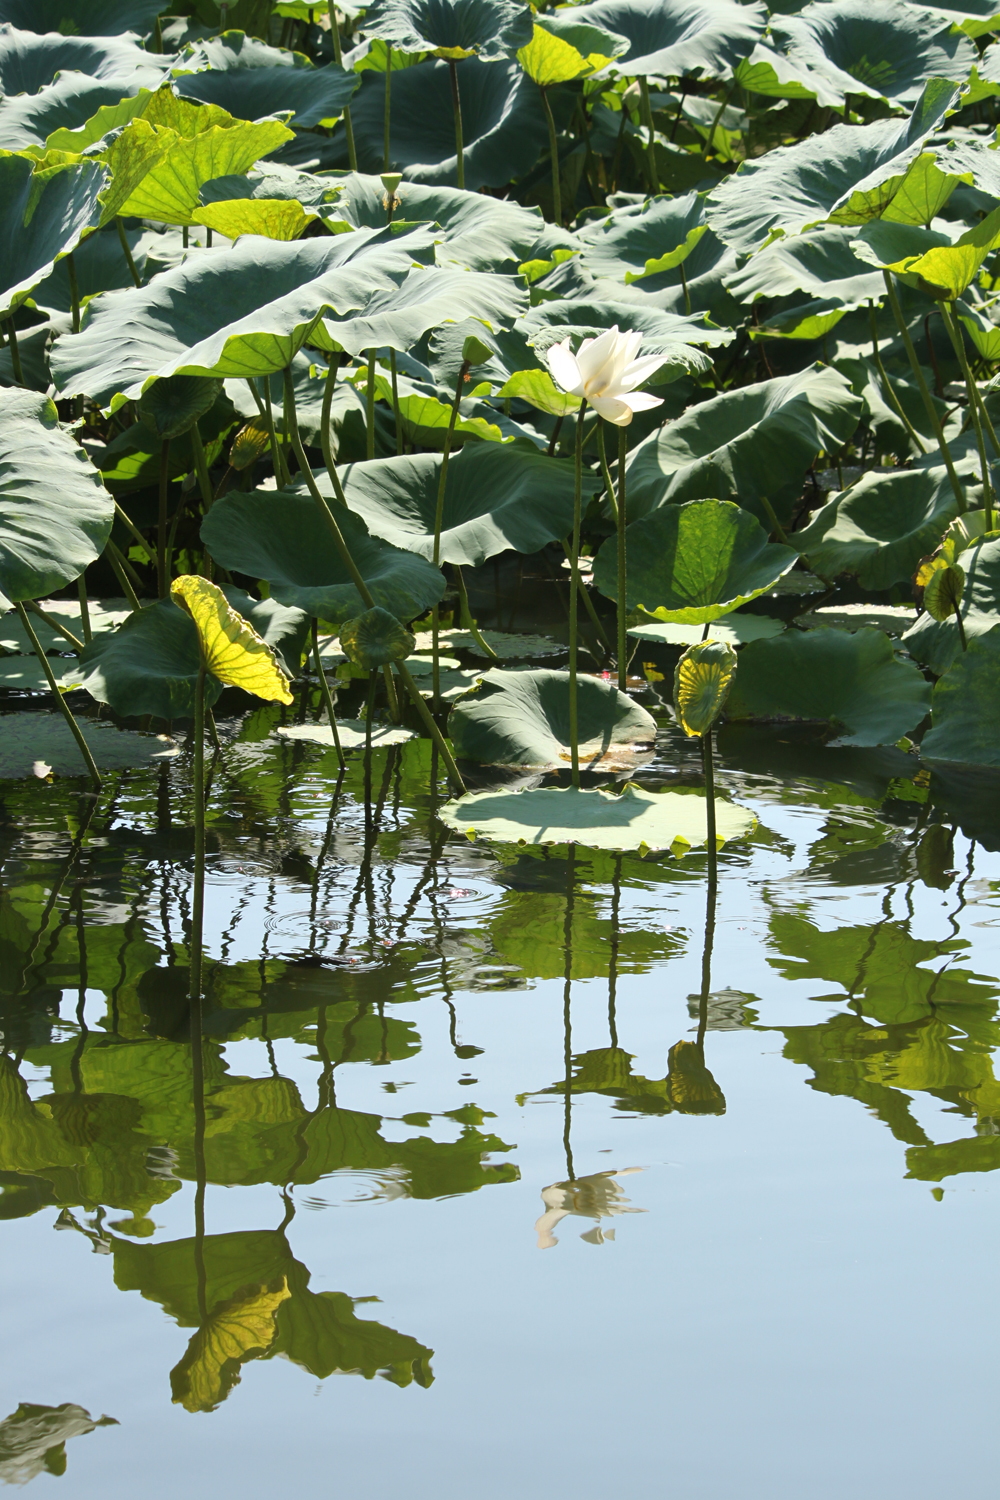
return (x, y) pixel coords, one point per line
(943, 590)
(275, 218)
(231, 649)
(249, 444)
(242, 1328)
(549, 59)
(702, 680)
(947, 270)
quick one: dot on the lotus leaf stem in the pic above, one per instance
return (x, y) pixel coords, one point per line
(81, 590)
(588, 603)
(161, 526)
(961, 625)
(15, 353)
(711, 838)
(198, 895)
(574, 585)
(370, 408)
(646, 113)
(958, 344)
(74, 727)
(887, 384)
(390, 693)
(395, 404)
(121, 570)
(344, 553)
(456, 104)
(324, 421)
(928, 399)
(776, 527)
(467, 621)
(54, 624)
(715, 123)
(369, 710)
(352, 155)
(622, 525)
(127, 250)
(131, 526)
(74, 291)
(201, 467)
(554, 152)
(438, 520)
(388, 96)
(325, 693)
(281, 473)
(684, 284)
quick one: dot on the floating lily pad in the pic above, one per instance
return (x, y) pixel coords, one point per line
(453, 684)
(892, 618)
(23, 674)
(506, 646)
(853, 683)
(29, 737)
(522, 719)
(692, 563)
(600, 820)
(105, 614)
(351, 732)
(734, 630)
(966, 707)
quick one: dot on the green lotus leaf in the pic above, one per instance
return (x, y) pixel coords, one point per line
(29, 62)
(706, 37)
(284, 540)
(881, 527)
(74, 111)
(948, 270)
(275, 219)
(884, 52)
(965, 707)
(820, 263)
(853, 683)
(46, 212)
(734, 630)
(539, 389)
(503, 123)
(702, 679)
(150, 665)
(636, 819)
(250, 79)
(131, 461)
(630, 243)
(562, 49)
(692, 563)
(478, 232)
(495, 497)
(809, 320)
(243, 311)
(845, 175)
(935, 643)
(86, 17)
(974, 17)
(375, 639)
(769, 73)
(426, 419)
(30, 737)
(431, 295)
(943, 591)
(521, 718)
(171, 407)
(489, 29)
(55, 514)
(676, 338)
(758, 440)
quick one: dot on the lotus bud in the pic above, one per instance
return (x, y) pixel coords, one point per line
(632, 96)
(475, 352)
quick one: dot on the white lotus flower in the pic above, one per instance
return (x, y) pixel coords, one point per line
(605, 370)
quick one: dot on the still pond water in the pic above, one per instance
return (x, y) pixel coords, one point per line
(500, 1170)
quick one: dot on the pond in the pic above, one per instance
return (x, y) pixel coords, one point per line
(573, 1170)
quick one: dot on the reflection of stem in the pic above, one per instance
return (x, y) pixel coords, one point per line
(616, 901)
(456, 104)
(574, 586)
(567, 1028)
(64, 707)
(369, 709)
(438, 522)
(928, 399)
(198, 903)
(201, 1176)
(713, 848)
(706, 967)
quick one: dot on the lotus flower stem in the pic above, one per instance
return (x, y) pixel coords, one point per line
(388, 96)
(646, 110)
(711, 839)
(456, 104)
(554, 153)
(81, 590)
(15, 353)
(887, 384)
(344, 554)
(120, 565)
(467, 620)
(395, 404)
(588, 604)
(574, 585)
(970, 385)
(127, 250)
(438, 520)
(198, 895)
(370, 407)
(928, 399)
(327, 697)
(74, 291)
(162, 580)
(352, 155)
(74, 727)
(622, 583)
(54, 624)
(605, 471)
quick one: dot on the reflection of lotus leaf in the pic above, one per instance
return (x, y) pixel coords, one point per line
(241, 1329)
(596, 1197)
(33, 1439)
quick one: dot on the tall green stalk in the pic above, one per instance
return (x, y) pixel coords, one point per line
(622, 581)
(456, 104)
(198, 896)
(74, 291)
(324, 425)
(958, 345)
(574, 585)
(708, 763)
(81, 593)
(127, 251)
(15, 353)
(928, 399)
(162, 581)
(646, 110)
(74, 727)
(388, 96)
(887, 384)
(468, 623)
(395, 404)
(344, 553)
(370, 407)
(352, 155)
(325, 693)
(554, 152)
(438, 520)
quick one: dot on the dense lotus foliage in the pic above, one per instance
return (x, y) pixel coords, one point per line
(331, 307)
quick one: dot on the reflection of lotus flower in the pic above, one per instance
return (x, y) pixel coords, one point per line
(597, 1197)
(605, 370)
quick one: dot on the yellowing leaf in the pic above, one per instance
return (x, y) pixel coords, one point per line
(702, 681)
(946, 270)
(275, 218)
(538, 387)
(231, 649)
(549, 59)
(240, 1329)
